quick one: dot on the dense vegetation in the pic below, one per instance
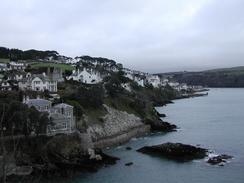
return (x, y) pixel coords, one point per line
(139, 100)
(18, 118)
(232, 77)
(16, 54)
(98, 59)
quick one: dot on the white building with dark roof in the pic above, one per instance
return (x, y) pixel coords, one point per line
(3, 67)
(154, 80)
(88, 76)
(38, 82)
(17, 65)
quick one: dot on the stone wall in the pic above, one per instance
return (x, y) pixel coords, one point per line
(123, 137)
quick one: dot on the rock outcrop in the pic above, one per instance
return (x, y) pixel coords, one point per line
(219, 159)
(117, 127)
(67, 151)
(159, 125)
(175, 151)
(62, 155)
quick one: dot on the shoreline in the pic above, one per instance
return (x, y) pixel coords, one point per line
(142, 130)
(138, 131)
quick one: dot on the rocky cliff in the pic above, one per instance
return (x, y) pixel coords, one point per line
(117, 127)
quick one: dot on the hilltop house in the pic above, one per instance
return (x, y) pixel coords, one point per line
(136, 76)
(16, 76)
(139, 80)
(154, 80)
(174, 84)
(164, 82)
(88, 76)
(17, 66)
(3, 67)
(38, 82)
(61, 115)
(5, 86)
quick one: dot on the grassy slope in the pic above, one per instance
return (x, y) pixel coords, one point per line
(4, 60)
(61, 66)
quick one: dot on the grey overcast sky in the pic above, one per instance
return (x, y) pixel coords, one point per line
(147, 35)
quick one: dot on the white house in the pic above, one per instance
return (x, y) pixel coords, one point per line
(17, 66)
(3, 67)
(88, 76)
(174, 84)
(154, 80)
(136, 76)
(5, 86)
(38, 82)
(139, 80)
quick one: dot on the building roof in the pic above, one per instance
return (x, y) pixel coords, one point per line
(38, 102)
(62, 105)
(44, 78)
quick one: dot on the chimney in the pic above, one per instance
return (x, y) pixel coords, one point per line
(24, 99)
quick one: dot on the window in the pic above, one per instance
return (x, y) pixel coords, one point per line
(62, 110)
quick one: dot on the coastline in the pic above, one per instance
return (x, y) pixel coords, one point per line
(141, 130)
(114, 139)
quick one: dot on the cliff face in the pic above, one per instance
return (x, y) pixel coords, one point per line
(117, 127)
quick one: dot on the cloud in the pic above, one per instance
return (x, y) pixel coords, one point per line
(154, 36)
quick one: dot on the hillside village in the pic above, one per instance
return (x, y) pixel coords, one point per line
(57, 110)
(20, 75)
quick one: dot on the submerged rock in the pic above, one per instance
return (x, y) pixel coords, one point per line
(161, 115)
(129, 164)
(159, 125)
(219, 160)
(128, 148)
(175, 151)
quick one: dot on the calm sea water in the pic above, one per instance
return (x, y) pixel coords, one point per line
(215, 121)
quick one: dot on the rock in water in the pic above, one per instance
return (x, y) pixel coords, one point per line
(159, 125)
(161, 115)
(219, 160)
(128, 148)
(175, 151)
(129, 164)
